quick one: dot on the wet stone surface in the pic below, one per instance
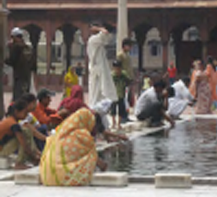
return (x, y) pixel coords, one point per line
(189, 148)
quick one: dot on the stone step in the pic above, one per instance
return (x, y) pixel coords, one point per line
(32, 177)
(4, 163)
(173, 181)
(111, 179)
(27, 177)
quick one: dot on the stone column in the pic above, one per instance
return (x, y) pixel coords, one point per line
(3, 39)
(34, 39)
(204, 50)
(49, 43)
(122, 21)
(85, 35)
(165, 55)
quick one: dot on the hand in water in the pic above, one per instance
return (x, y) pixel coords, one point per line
(123, 137)
(173, 124)
(102, 165)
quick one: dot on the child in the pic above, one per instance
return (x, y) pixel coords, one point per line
(30, 122)
(146, 82)
(13, 138)
(121, 82)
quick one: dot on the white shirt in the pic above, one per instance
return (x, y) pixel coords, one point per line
(181, 91)
(31, 120)
(147, 97)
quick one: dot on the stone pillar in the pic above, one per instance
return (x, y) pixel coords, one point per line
(68, 37)
(85, 36)
(165, 55)
(34, 39)
(3, 39)
(204, 50)
(49, 43)
(122, 29)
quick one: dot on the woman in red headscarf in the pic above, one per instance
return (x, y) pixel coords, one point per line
(75, 101)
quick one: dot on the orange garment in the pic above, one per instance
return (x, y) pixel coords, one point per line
(43, 114)
(69, 157)
(192, 87)
(212, 81)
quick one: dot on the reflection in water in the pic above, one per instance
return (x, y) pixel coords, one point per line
(191, 147)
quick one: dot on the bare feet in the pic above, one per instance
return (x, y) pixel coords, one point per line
(19, 166)
(120, 127)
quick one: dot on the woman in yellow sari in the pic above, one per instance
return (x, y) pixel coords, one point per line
(70, 157)
(70, 80)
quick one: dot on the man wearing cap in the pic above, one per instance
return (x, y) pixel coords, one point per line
(43, 112)
(21, 60)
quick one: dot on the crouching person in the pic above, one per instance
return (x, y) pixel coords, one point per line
(153, 103)
(13, 138)
(39, 131)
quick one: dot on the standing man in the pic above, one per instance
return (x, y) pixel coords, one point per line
(21, 60)
(124, 57)
(101, 85)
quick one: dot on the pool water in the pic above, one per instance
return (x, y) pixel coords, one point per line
(190, 148)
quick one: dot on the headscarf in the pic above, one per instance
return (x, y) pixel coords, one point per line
(81, 119)
(102, 107)
(70, 78)
(75, 101)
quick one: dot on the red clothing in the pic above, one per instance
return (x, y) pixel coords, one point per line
(43, 114)
(172, 72)
(75, 101)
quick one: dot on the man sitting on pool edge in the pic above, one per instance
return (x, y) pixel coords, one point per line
(153, 103)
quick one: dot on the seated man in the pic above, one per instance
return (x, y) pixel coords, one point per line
(153, 103)
(43, 113)
(39, 131)
(182, 98)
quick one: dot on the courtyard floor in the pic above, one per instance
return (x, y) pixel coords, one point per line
(9, 189)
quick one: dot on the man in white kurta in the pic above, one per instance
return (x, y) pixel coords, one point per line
(182, 98)
(101, 84)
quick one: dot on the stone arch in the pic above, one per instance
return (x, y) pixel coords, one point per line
(142, 35)
(212, 42)
(187, 45)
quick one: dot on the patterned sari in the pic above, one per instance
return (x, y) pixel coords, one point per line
(69, 157)
(204, 96)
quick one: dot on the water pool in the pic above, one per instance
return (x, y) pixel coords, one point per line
(190, 148)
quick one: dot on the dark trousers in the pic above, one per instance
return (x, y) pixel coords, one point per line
(152, 111)
(121, 108)
(20, 87)
(40, 144)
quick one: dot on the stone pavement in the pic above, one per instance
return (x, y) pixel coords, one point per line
(8, 189)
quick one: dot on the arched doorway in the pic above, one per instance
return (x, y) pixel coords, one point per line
(187, 46)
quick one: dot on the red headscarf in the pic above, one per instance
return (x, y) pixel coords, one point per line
(75, 101)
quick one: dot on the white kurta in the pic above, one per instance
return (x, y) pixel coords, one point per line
(180, 101)
(101, 84)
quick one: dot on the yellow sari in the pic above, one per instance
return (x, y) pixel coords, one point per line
(69, 157)
(72, 79)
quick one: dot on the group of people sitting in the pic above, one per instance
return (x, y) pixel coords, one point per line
(69, 153)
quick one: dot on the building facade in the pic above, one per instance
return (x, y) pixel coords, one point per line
(165, 30)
